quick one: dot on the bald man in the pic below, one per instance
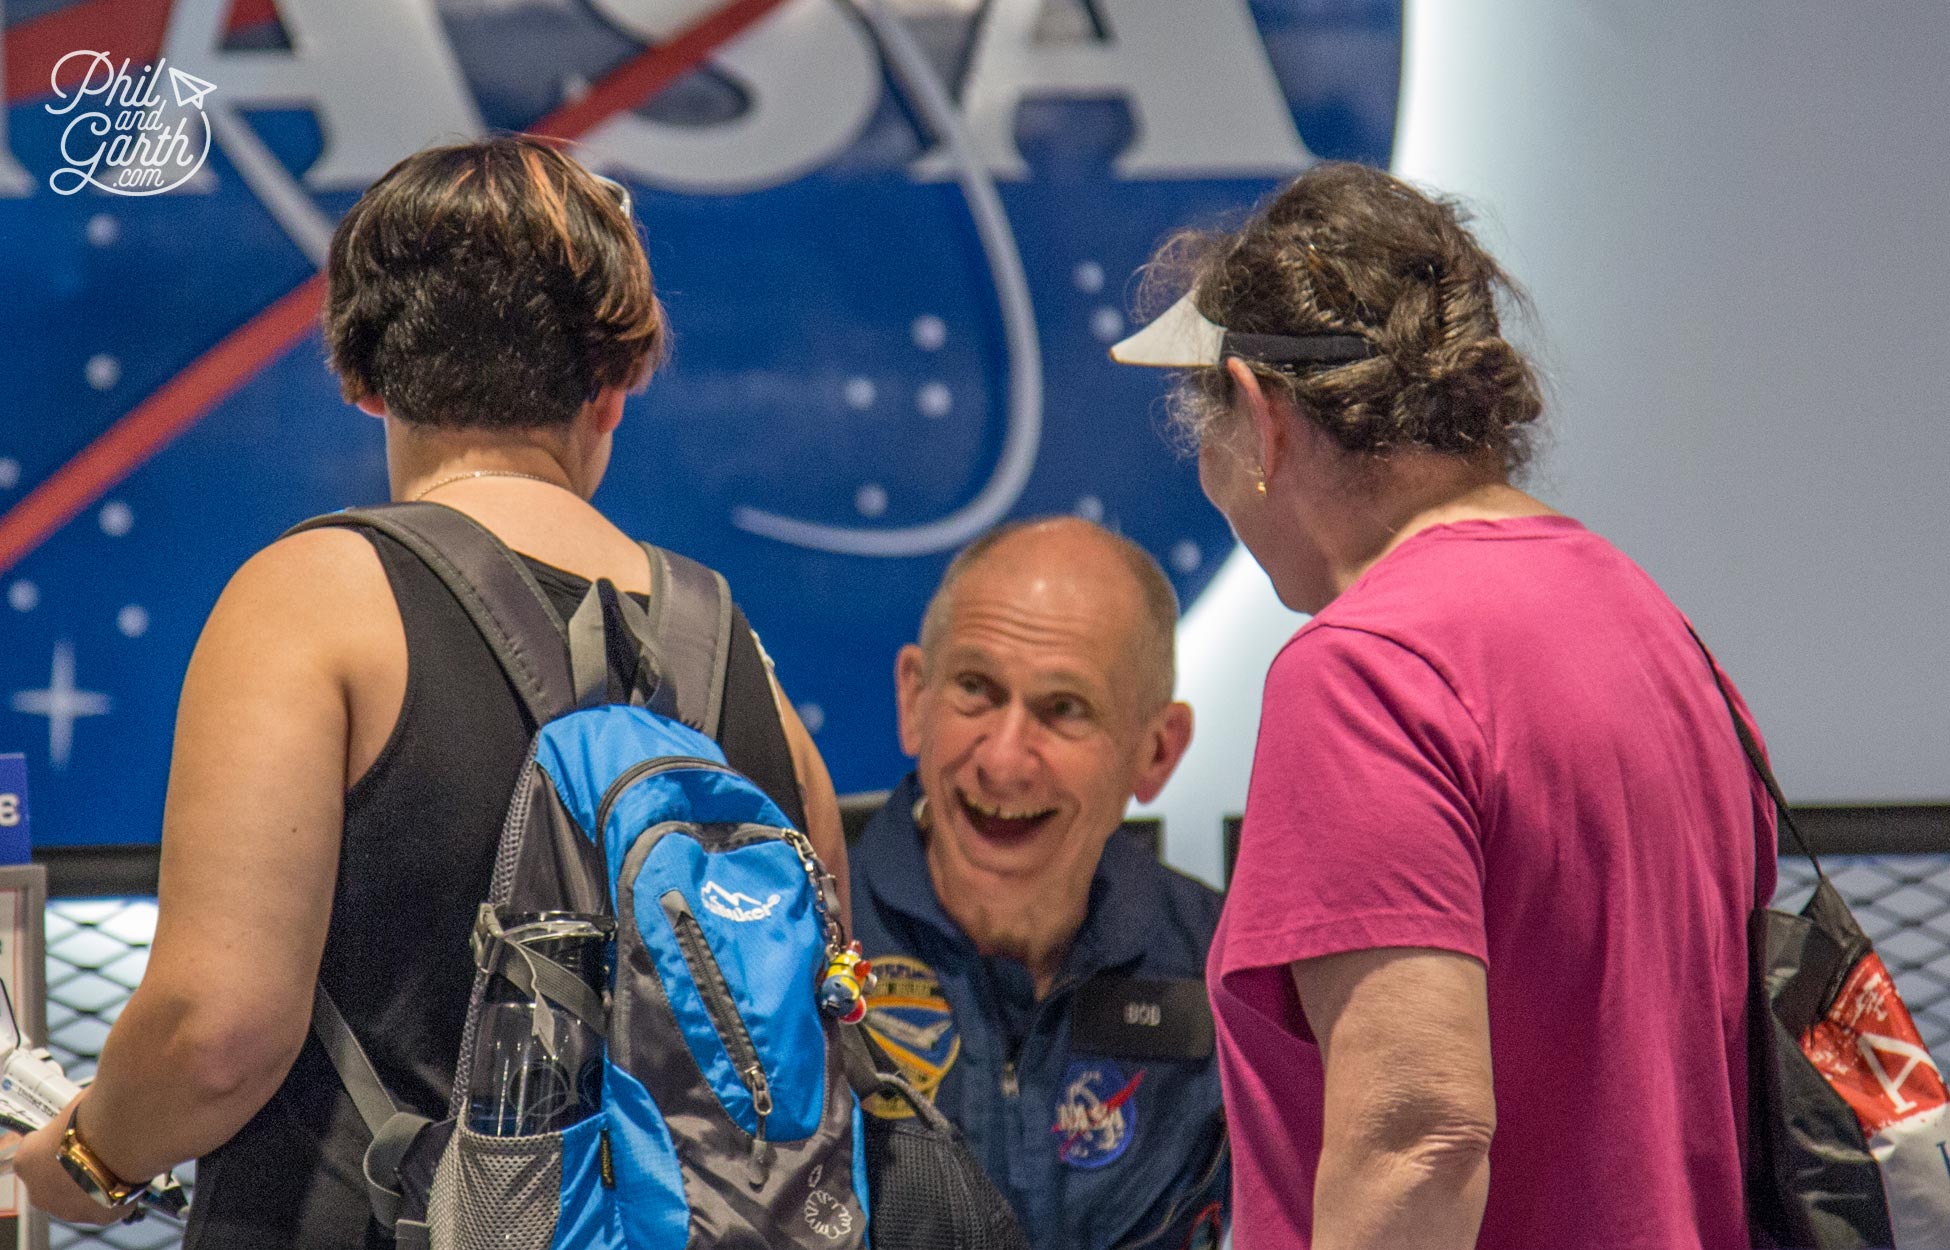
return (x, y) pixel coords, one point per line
(1038, 977)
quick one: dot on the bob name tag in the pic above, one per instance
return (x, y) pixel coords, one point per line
(1143, 1018)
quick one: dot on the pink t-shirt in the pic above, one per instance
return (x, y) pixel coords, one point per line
(1501, 741)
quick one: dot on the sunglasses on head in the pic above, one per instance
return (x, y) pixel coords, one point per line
(618, 190)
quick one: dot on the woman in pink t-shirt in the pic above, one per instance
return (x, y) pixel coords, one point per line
(1481, 974)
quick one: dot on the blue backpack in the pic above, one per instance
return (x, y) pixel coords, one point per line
(719, 1111)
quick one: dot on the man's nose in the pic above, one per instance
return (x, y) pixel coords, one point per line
(1007, 756)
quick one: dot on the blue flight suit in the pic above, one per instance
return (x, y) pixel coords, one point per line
(1095, 1151)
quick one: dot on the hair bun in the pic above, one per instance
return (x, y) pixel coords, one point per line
(1486, 388)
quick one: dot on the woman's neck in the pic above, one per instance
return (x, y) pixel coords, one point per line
(1359, 520)
(420, 461)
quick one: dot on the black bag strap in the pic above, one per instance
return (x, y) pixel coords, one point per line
(500, 595)
(1758, 763)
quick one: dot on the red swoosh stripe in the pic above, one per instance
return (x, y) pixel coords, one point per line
(125, 29)
(217, 374)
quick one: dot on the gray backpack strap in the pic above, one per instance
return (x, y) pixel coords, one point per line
(369, 1095)
(393, 1129)
(869, 1072)
(500, 595)
(691, 611)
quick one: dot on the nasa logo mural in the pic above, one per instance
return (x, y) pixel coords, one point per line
(894, 237)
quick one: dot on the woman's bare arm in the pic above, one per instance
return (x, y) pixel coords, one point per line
(251, 831)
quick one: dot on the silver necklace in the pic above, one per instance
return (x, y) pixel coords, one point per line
(462, 477)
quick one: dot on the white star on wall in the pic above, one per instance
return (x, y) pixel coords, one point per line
(62, 703)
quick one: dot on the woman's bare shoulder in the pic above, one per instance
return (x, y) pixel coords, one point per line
(325, 585)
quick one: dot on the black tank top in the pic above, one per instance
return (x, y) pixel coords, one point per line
(418, 849)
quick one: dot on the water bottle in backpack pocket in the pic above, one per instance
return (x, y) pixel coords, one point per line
(537, 1067)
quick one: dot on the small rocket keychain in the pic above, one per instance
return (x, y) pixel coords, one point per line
(843, 994)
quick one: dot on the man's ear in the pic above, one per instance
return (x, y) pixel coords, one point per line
(1165, 740)
(910, 689)
(608, 409)
(373, 406)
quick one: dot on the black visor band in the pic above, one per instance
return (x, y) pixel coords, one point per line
(1296, 350)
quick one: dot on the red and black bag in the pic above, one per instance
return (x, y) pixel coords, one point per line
(1848, 1117)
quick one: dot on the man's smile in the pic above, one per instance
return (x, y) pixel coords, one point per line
(1003, 823)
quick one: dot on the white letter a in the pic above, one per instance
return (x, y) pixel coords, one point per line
(1194, 73)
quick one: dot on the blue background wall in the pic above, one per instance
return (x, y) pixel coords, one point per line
(840, 353)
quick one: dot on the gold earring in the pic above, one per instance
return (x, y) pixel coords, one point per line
(1260, 485)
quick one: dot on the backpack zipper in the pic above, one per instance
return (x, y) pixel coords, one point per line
(730, 1026)
(637, 772)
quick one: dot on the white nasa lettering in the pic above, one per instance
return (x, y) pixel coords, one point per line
(1178, 64)
(385, 82)
(9, 810)
(380, 74)
(14, 181)
(811, 78)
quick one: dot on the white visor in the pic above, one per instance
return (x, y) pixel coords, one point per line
(1181, 338)
(1185, 338)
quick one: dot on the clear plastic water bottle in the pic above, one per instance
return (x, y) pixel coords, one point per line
(536, 1067)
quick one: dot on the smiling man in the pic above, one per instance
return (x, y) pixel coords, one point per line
(1038, 976)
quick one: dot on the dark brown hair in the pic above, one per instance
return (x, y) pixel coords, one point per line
(490, 284)
(1349, 249)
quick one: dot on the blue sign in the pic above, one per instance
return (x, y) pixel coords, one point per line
(16, 830)
(894, 240)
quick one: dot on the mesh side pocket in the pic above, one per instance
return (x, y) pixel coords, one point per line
(929, 1193)
(497, 1193)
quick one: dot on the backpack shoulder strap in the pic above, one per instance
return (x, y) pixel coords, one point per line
(393, 1128)
(500, 595)
(691, 614)
(369, 1093)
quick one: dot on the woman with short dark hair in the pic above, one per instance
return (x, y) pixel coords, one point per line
(347, 743)
(1481, 977)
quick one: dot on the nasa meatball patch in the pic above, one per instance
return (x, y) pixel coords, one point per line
(1096, 1113)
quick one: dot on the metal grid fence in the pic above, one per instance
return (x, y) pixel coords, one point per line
(98, 948)
(96, 951)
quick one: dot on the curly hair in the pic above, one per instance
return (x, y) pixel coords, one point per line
(496, 284)
(1350, 249)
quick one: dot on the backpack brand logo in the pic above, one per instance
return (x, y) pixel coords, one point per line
(733, 905)
(825, 1214)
